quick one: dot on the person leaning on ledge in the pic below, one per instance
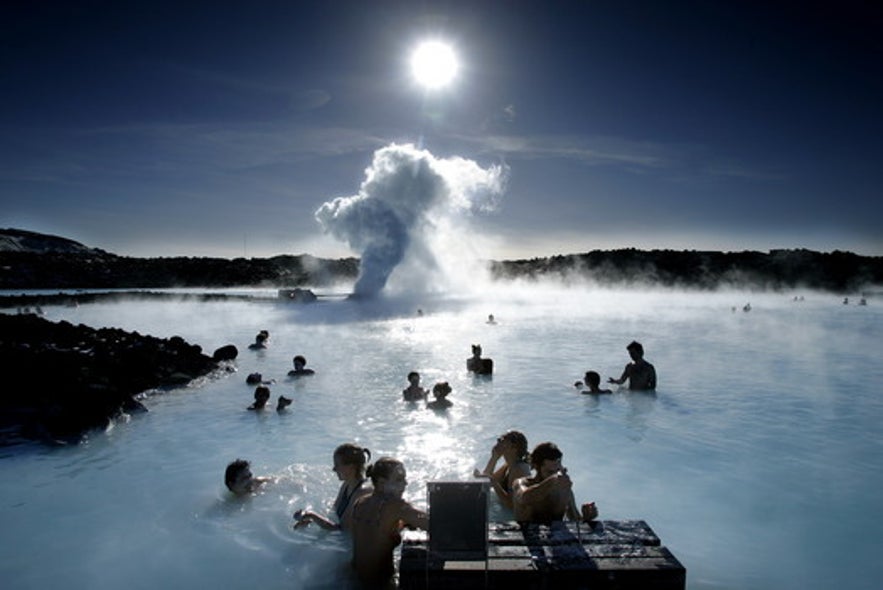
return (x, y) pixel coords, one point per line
(548, 495)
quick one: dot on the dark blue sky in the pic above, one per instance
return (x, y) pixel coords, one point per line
(218, 128)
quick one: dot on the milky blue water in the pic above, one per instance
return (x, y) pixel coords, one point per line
(758, 461)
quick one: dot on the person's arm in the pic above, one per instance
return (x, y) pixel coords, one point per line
(488, 470)
(305, 517)
(413, 517)
(623, 377)
(652, 382)
(572, 513)
(505, 492)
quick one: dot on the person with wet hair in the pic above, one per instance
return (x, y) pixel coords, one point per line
(261, 397)
(413, 393)
(640, 374)
(512, 448)
(300, 369)
(349, 466)
(548, 495)
(239, 479)
(593, 382)
(476, 364)
(440, 392)
(378, 519)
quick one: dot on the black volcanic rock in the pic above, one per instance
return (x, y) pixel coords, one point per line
(62, 380)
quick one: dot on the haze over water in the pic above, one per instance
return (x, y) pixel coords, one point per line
(756, 462)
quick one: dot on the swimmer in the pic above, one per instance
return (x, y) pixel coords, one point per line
(299, 367)
(261, 340)
(548, 495)
(640, 374)
(349, 466)
(593, 382)
(261, 397)
(440, 391)
(282, 403)
(413, 392)
(512, 448)
(378, 519)
(257, 379)
(239, 479)
(490, 319)
(476, 364)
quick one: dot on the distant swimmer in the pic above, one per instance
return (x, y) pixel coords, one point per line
(261, 340)
(640, 374)
(239, 479)
(440, 391)
(282, 403)
(476, 364)
(490, 319)
(593, 382)
(261, 397)
(862, 301)
(413, 392)
(299, 367)
(747, 307)
(846, 301)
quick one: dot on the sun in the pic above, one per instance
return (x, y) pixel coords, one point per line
(434, 64)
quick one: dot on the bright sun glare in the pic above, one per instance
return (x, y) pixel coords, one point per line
(434, 64)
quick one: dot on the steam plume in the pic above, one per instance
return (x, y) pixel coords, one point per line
(405, 209)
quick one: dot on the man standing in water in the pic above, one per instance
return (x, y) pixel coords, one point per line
(640, 374)
(548, 495)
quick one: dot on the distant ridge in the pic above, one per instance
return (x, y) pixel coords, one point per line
(20, 240)
(29, 260)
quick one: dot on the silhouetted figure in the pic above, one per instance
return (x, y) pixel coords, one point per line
(261, 397)
(413, 392)
(261, 340)
(548, 495)
(440, 391)
(640, 374)
(593, 382)
(282, 403)
(300, 369)
(478, 365)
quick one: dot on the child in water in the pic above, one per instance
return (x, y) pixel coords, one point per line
(261, 397)
(593, 382)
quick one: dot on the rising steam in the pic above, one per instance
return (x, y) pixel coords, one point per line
(410, 208)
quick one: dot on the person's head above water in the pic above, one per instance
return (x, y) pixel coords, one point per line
(592, 379)
(517, 440)
(351, 454)
(414, 377)
(636, 350)
(388, 476)
(441, 389)
(238, 477)
(476, 350)
(300, 362)
(545, 451)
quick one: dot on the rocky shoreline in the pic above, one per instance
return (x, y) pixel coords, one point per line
(64, 380)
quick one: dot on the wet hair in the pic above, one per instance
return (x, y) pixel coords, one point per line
(299, 359)
(233, 470)
(476, 349)
(353, 454)
(636, 346)
(262, 392)
(593, 378)
(441, 388)
(545, 451)
(413, 374)
(518, 439)
(384, 467)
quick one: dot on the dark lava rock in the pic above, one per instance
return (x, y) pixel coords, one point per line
(226, 353)
(62, 380)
